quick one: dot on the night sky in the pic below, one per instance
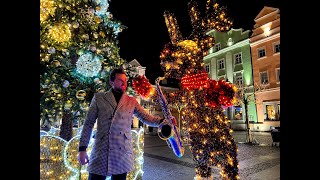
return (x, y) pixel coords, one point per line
(146, 32)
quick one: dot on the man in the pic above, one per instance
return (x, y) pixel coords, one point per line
(112, 153)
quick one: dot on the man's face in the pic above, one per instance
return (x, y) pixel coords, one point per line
(120, 83)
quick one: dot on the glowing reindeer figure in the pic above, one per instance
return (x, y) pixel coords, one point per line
(206, 127)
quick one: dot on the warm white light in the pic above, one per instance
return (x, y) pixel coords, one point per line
(266, 29)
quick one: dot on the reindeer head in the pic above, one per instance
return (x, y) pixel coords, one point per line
(184, 56)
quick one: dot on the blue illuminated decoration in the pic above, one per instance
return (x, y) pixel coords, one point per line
(103, 8)
(89, 64)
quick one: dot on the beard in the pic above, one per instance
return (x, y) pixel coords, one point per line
(119, 89)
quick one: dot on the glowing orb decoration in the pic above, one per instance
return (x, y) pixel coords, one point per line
(51, 158)
(88, 64)
(60, 33)
(58, 158)
(70, 157)
(137, 145)
(47, 8)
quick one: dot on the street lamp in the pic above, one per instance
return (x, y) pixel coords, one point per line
(178, 106)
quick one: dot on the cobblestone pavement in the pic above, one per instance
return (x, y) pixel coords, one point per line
(256, 162)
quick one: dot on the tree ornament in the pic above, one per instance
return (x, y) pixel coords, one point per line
(81, 94)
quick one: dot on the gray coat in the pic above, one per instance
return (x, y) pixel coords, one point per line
(112, 150)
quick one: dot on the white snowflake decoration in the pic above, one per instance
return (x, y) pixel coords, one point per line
(88, 64)
(104, 5)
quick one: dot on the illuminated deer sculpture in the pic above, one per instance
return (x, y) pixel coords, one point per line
(206, 127)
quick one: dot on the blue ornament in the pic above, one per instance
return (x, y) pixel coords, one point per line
(66, 84)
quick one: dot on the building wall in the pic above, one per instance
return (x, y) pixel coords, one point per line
(232, 42)
(266, 34)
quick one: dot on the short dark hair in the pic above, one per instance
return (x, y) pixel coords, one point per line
(116, 71)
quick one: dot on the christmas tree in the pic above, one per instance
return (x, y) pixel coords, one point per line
(78, 49)
(206, 128)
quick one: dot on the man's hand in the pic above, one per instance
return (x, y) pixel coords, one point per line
(83, 157)
(174, 121)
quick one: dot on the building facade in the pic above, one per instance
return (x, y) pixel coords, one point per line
(265, 51)
(230, 59)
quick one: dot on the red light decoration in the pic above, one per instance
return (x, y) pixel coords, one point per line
(142, 86)
(220, 93)
(196, 81)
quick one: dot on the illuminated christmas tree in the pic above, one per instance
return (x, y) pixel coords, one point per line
(78, 49)
(206, 127)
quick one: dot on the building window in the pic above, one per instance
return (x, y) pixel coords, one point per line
(238, 79)
(270, 112)
(206, 67)
(276, 48)
(238, 112)
(237, 58)
(218, 46)
(261, 53)
(264, 77)
(221, 64)
(278, 74)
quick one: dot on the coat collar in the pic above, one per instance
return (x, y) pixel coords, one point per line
(111, 99)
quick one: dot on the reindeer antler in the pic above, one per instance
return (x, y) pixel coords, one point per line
(173, 27)
(196, 20)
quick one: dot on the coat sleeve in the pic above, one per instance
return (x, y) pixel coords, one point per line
(88, 124)
(144, 116)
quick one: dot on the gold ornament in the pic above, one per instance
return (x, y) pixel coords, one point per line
(47, 8)
(101, 33)
(60, 33)
(56, 63)
(81, 94)
(97, 19)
